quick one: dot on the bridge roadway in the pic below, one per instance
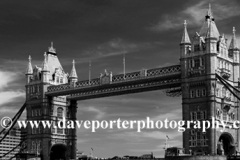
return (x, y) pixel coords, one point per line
(110, 85)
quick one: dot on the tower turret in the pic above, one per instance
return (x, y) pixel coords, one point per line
(73, 75)
(234, 44)
(45, 70)
(185, 44)
(233, 52)
(29, 71)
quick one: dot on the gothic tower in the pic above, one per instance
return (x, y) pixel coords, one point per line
(53, 142)
(203, 96)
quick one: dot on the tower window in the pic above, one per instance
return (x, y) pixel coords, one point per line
(223, 92)
(196, 47)
(197, 62)
(60, 130)
(60, 112)
(190, 63)
(194, 116)
(204, 114)
(57, 79)
(203, 63)
(33, 146)
(197, 93)
(51, 112)
(225, 116)
(193, 133)
(204, 92)
(193, 143)
(61, 79)
(192, 94)
(53, 129)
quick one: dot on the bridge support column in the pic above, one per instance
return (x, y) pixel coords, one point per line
(73, 107)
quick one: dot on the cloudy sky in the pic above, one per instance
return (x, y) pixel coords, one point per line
(147, 31)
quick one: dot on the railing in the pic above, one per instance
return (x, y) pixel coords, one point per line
(143, 74)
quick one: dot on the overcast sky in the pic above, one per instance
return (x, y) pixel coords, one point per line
(147, 31)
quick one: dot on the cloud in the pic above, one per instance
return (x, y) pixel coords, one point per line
(8, 80)
(10, 96)
(7, 77)
(195, 15)
(116, 46)
(98, 114)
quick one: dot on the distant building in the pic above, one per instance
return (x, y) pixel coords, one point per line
(147, 156)
(13, 139)
(81, 155)
(174, 151)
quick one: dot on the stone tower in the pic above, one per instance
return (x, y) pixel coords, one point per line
(53, 142)
(203, 96)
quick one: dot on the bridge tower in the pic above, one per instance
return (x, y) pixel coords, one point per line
(54, 142)
(205, 98)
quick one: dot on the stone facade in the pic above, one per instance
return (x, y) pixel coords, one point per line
(41, 107)
(203, 96)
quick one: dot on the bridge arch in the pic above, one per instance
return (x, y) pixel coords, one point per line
(59, 152)
(226, 142)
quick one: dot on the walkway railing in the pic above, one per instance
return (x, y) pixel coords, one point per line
(113, 79)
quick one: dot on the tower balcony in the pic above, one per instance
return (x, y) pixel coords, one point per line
(225, 73)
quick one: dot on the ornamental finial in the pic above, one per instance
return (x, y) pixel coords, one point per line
(234, 30)
(51, 49)
(185, 23)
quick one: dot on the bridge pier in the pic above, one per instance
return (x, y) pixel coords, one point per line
(73, 108)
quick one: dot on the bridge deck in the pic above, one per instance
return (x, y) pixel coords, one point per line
(145, 80)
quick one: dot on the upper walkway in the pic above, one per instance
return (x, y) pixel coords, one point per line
(110, 85)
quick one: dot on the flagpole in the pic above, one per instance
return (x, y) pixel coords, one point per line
(167, 141)
(166, 144)
(124, 65)
(89, 76)
(92, 153)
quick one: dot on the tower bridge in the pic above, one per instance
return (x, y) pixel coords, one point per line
(110, 85)
(52, 94)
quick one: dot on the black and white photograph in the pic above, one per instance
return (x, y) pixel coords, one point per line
(119, 80)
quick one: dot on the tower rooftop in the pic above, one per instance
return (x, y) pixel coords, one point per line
(209, 27)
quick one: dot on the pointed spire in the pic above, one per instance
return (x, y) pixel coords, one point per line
(185, 37)
(212, 31)
(234, 44)
(73, 73)
(209, 28)
(45, 65)
(51, 49)
(29, 68)
(209, 13)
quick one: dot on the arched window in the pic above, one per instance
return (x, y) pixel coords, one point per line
(60, 112)
(57, 79)
(61, 79)
(33, 146)
(194, 115)
(204, 114)
(199, 115)
(40, 145)
(218, 114)
(225, 116)
(223, 92)
(192, 93)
